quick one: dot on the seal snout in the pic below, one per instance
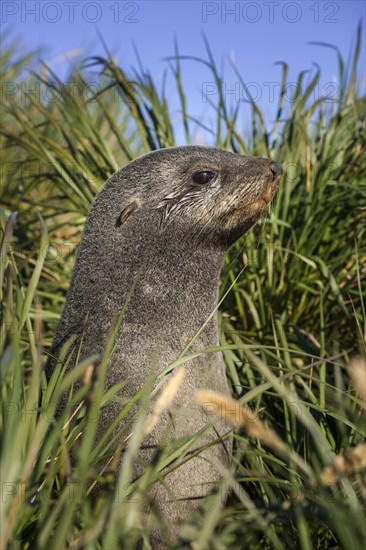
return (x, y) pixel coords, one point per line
(275, 169)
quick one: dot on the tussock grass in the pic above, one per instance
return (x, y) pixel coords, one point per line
(290, 326)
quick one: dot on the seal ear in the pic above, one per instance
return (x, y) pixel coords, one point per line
(126, 213)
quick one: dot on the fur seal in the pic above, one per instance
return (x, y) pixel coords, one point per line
(165, 220)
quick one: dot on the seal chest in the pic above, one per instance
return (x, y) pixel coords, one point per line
(164, 221)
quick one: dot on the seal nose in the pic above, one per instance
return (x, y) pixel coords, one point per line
(275, 169)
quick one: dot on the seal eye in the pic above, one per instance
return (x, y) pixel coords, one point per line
(202, 177)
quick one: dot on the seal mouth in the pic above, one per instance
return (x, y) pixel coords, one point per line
(250, 212)
(271, 191)
(261, 203)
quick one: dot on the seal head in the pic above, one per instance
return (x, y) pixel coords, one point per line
(203, 191)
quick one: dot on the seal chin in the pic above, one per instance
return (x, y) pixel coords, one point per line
(233, 231)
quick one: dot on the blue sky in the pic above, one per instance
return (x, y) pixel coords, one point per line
(252, 34)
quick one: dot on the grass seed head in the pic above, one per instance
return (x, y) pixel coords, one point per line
(239, 416)
(164, 399)
(357, 372)
(347, 464)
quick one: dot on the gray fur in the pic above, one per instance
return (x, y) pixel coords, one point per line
(150, 219)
